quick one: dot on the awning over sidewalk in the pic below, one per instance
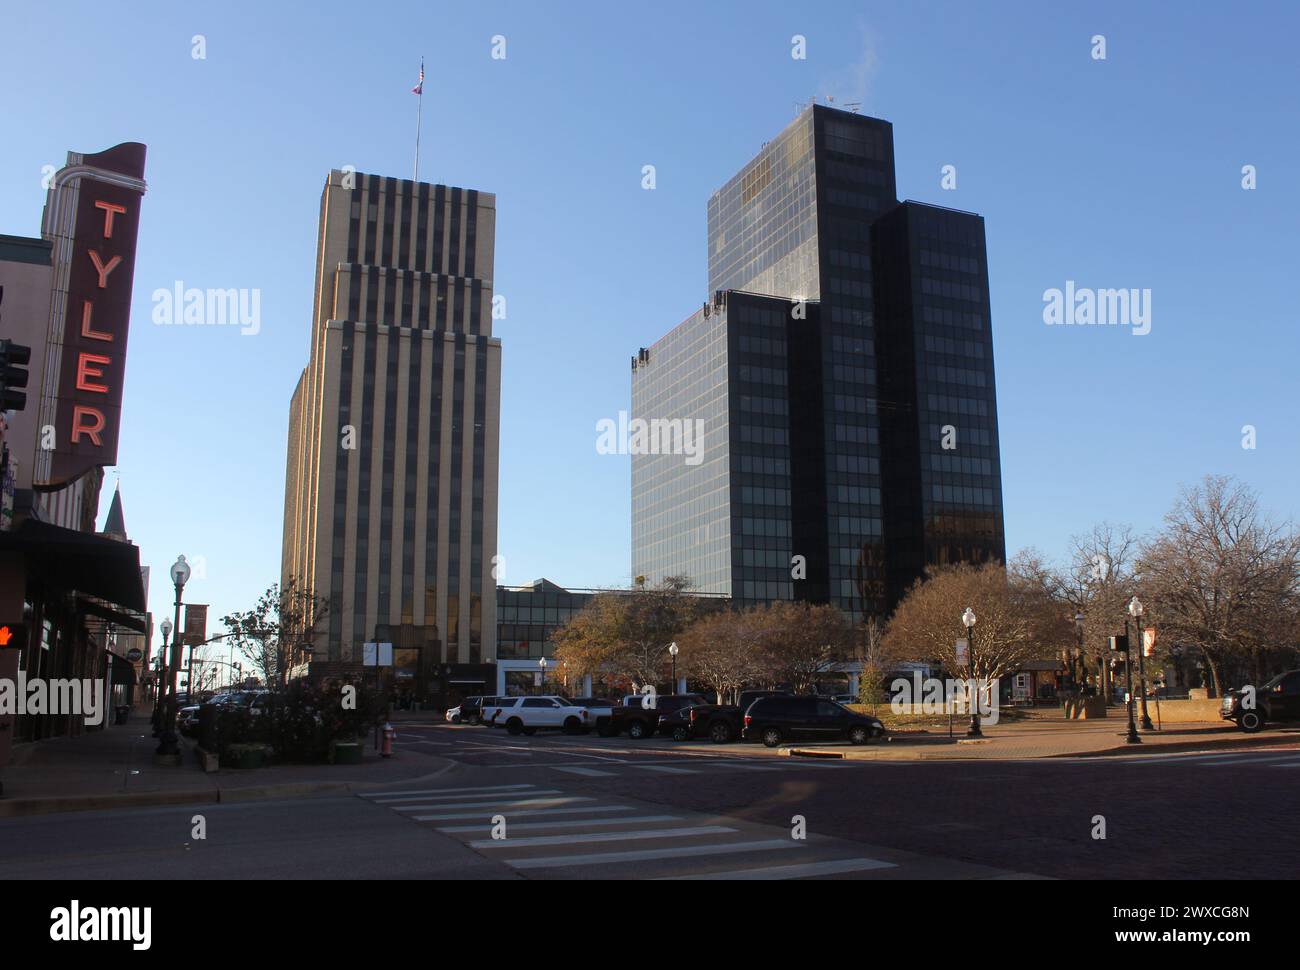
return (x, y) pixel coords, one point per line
(131, 621)
(90, 564)
(123, 671)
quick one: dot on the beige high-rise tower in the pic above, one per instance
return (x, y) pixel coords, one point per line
(391, 490)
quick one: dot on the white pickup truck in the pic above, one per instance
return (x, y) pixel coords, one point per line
(525, 715)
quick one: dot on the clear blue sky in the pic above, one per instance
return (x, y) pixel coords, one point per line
(1120, 173)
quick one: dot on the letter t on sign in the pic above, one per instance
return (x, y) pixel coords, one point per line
(109, 210)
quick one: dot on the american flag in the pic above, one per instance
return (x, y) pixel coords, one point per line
(419, 87)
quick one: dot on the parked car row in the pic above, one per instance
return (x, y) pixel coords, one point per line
(255, 701)
(771, 717)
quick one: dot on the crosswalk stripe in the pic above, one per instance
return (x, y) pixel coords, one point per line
(521, 813)
(496, 806)
(586, 772)
(646, 855)
(666, 770)
(438, 791)
(528, 790)
(581, 838)
(791, 872)
(563, 823)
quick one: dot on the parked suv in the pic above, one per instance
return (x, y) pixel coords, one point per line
(1278, 701)
(776, 719)
(640, 721)
(720, 723)
(471, 708)
(494, 710)
(552, 711)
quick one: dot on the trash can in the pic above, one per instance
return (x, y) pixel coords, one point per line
(122, 711)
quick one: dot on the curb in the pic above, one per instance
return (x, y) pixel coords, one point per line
(895, 754)
(1243, 743)
(22, 807)
(19, 807)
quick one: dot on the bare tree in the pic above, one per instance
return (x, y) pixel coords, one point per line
(1223, 578)
(927, 623)
(798, 641)
(722, 650)
(276, 634)
(627, 634)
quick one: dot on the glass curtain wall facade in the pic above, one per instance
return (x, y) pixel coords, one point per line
(943, 477)
(681, 507)
(814, 426)
(528, 616)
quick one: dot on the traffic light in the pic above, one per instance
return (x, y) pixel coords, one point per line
(13, 375)
(13, 636)
(1119, 644)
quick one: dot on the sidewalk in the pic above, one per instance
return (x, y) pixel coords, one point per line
(1043, 738)
(114, 768)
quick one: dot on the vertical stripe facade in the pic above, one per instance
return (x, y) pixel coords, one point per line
(391, 490)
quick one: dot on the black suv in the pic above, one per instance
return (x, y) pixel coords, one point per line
(776, 719)
(720, 723)
(639, 721)
(1277, 701)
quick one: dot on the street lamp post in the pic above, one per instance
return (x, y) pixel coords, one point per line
(672, 652)
(1135, 611)
(159, 683)
(542, 664)
(968, 618)
(168, 747)
(1132, 736)
(1082, 657)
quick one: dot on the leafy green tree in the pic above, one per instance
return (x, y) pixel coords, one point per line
(276, 634)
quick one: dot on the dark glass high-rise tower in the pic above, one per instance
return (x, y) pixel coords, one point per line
(819, 422)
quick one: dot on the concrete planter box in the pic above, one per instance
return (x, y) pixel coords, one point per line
(346, 752)
(208, 760)
(247, 756)
(1083, 708)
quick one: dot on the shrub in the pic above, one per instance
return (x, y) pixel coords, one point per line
(301, 721)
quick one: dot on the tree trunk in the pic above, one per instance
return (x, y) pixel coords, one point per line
(1214, 690)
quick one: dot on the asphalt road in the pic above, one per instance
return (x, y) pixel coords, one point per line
(1166, 816)
(584, 807)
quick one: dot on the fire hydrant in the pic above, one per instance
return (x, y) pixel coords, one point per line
(387, 750)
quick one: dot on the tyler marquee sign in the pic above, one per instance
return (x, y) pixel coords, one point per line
(92, 215)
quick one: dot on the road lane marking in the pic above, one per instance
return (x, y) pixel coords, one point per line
(791, 872)
(646, 855)
(473, 797)
(585, 772)
(492, 806)
(582, 838)
(564, 823)
(665, 769)
(485, 792)
(1250, 760)
(521, 813)
(438, 791)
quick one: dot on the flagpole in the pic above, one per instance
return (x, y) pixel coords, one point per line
(419, 109)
